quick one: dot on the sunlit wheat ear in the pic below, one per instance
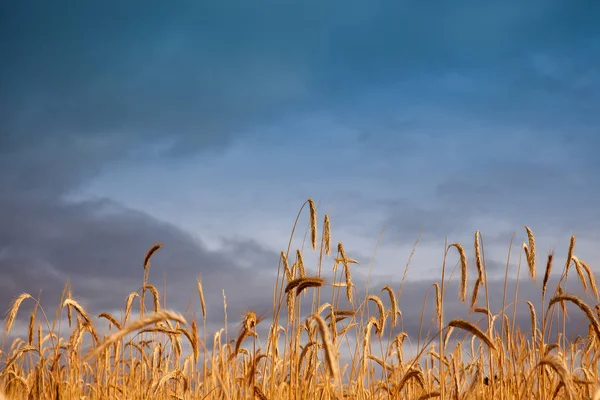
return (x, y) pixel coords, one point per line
(69, 312)
(129, 304)
(327, 234)
(303, 283)
(381, 320)
(300, 264)
(569, 255)
(582, 306)
(346, 329)
(397, 343)
(172, 375)
(78, 308)
(291, 304)
(478, 262)
(463, 270)
(246, 331)
(475, 293)
(533, 320)
(547, 273)
(150, 253)
(155, 296)
(30, 329)
(322, 308)
(474, 330)
(412, 374)
(381, 363)
(201, 295)
(111, 319)
(17, 355)
(313, 223)
(347, 272)
(558, 365)
(367, 339)
(447, 336)
(579, 270)
(134, 326)
(438, 301)
(482, 310)
(527, 258)
(192, 337)
(393, 303)
(531, 254)
(330, 358)
(591, 278)
(286, 267)
(196, 339)
(14, 309)
(559, 292)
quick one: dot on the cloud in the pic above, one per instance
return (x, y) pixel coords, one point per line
(99, 246)
(197, 73)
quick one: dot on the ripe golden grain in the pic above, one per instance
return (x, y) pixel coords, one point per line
(591, 279)
(14, 309)
(330, 358)
(129, 304)
(30, 329)
(201, 295)
(313, 223)
(78, 308)
(547, 273)
(569, 255)
(393, 303)
(150, 253)
(478, 262)
(381, 320)
(303, 283)
(560, 368)
(531, 254)
(463, 270)
(111, 319)
(533, 320)
(582, 306)
(475, 293)
(154, 360)
(134, 326)
(438, 301)
(345, 261)
(367, 339)
(155, 296)
(327, 234)
(299, 264)
(474, 330)
(412, 374)
(579, 270)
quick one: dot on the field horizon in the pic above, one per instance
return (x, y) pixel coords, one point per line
(325, 337)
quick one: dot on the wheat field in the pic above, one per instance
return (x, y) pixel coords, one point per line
(320, 341)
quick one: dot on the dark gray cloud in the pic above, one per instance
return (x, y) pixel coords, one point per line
(551, 196)
(526, 192)
(194, 73)
(99, 246)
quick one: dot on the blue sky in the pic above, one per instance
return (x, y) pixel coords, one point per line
(206, 125)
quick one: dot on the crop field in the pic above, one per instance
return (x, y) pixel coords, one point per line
(326, 337)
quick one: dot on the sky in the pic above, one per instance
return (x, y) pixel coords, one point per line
(205, 126)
